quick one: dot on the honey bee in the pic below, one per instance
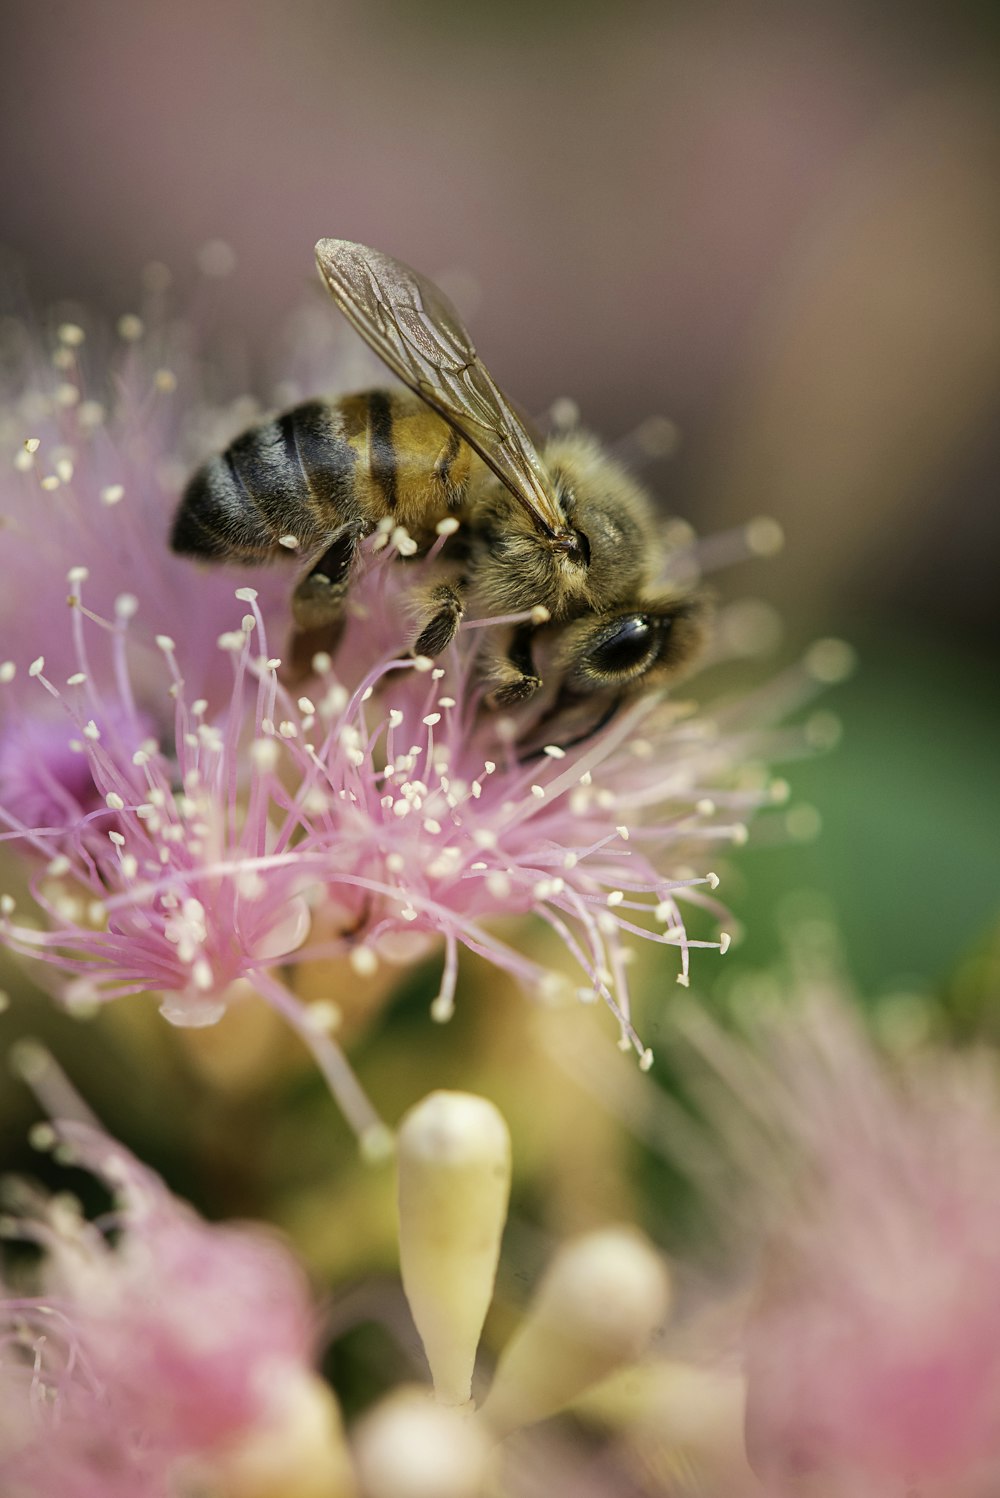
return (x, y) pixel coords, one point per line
(560, 529)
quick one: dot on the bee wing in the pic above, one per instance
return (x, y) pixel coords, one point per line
(416, 331)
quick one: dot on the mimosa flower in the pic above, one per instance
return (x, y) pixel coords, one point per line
(147, 1351)
(873, 1354)
(865, 1186)
(189, 822)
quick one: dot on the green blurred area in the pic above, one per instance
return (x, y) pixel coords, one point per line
(908, 855)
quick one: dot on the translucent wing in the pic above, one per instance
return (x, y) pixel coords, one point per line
(413, 327)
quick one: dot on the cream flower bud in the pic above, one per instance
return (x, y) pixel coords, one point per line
(680, 1417)
(454, 1183)
(410, 1447)
(300, 1453)
(597, 1307)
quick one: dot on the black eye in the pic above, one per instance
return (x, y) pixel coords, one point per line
(627, 647)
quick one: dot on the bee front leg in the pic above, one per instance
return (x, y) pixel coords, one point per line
(445, 607)
(320, 596)
(514, 674)
(514, 689)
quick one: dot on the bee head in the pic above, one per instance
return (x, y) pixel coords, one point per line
(648, 645)
(587, 667)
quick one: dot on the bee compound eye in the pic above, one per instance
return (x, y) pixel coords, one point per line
(626, 648)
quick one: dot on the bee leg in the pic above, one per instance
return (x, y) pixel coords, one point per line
(514, 674)
(320, 596)
(446, 609)
(515, 689)
(303, 646)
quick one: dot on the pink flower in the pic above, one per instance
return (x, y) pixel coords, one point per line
(189, 822)
(147, 1344)
(874, 1351)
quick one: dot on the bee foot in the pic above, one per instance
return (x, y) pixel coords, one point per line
(319, 598)
(513, 692)
(317, 602)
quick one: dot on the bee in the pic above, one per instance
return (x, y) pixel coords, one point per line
(558, 530)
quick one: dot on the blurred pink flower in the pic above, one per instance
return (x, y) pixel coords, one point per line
(148, 1343)
(190, 823)
(874, 1351)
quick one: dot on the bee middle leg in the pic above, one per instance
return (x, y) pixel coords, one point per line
(319, 597)
(445, 606)
(304, 645)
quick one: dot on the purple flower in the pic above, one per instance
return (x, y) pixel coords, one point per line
(189, 822)
(873, 1352)
(861, 1190)
(147, 1347)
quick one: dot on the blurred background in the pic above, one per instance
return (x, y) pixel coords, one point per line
(776, 223)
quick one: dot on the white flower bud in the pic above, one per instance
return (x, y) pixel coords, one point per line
(681, 1417)
(597, 1307)
(454, 1184)
(410, 1447)
(300, 1452)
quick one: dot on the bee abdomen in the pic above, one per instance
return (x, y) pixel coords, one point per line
(315, 437)
(293, 476)
(212, 518)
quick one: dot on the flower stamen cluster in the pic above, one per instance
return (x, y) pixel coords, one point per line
(196, 826)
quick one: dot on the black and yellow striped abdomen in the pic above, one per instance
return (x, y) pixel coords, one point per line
(290, 483)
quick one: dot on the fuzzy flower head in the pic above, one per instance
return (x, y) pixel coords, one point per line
(140, 1348)
(874, 1350)
(188, 821)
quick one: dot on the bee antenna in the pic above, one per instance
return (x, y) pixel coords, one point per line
(581, 738)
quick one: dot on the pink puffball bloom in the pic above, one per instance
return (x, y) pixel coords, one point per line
(145, 1346)
(874, 1351)
(187, 822)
